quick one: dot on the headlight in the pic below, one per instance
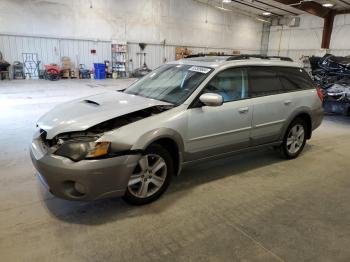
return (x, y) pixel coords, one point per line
(77, 151)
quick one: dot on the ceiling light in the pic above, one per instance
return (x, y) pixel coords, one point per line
(222, 8)
(262, 20)
(226, 1)
(266, 13)
(327, 5)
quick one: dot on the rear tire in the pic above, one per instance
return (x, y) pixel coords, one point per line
(294, 139)
(151, 176)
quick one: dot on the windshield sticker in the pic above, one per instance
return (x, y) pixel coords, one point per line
(199, 69)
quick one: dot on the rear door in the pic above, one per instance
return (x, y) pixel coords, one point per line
(271, 105)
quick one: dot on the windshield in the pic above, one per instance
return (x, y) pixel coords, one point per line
(170, 83)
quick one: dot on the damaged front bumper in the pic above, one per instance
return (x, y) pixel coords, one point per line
(337, 99)
(85, 179)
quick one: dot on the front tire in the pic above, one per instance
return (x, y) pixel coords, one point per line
(151, 176)
(294, 139)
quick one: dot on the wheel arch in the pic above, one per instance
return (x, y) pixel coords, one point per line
(169, 139)
(307, 118)
(304, 114)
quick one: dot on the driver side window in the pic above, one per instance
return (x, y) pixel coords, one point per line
(231, 84)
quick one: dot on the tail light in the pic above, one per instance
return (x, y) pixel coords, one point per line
(320, 93)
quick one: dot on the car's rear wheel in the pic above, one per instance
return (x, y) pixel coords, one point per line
(151, 176)
(294, 139)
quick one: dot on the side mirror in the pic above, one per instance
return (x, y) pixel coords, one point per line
(211, 99)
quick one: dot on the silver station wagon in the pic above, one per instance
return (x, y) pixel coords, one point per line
(131, 142)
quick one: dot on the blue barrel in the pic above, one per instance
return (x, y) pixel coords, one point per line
(99, 66)
(100, 71)
(100, 74)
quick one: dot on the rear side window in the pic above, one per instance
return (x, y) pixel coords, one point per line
(294, 78)
(264, 81)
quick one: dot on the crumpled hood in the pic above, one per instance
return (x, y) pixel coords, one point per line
(83, 113)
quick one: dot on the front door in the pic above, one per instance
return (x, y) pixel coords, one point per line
(225, 128)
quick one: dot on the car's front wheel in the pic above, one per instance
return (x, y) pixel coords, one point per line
(294, 139)
(151, 176)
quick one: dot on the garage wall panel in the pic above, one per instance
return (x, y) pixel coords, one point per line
(51, 50)
(79, 51)
(12, 48)
(155, 55)
(178, 22)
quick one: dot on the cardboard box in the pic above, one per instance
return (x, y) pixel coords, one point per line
(66, 73)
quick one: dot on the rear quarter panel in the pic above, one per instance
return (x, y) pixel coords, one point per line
(305, 101)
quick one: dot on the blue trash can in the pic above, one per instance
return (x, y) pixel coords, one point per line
(100, 74)
(100, 71)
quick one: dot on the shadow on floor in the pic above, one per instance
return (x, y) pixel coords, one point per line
(103, 211)
(336, 118)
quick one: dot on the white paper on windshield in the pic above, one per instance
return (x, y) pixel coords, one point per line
(199, 69)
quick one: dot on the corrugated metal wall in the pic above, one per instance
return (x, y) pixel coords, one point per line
(79, 51)
(12, 48)
(51, 50)
(155, 55)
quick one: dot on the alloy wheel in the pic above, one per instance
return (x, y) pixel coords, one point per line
(148, 177)
(295, 138)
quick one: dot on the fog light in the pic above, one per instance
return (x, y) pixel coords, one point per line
(80, 188)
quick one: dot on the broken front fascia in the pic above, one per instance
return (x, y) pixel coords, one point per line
(79, 145)
(340, 91)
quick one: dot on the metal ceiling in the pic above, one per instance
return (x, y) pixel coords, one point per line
(264, 9)
(276, 8)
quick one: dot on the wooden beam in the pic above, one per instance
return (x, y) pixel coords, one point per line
(317, 9)
(310, 7)
(327, 30)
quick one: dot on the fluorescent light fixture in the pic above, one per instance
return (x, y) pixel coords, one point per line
(226, 1)
(222, 8)
(262, 20)
(266, 13)
(327, 5)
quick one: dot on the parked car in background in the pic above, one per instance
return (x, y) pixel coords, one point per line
(131, 142)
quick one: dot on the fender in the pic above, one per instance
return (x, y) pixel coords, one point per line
(153, 135)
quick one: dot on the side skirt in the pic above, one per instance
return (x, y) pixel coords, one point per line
(231, 153)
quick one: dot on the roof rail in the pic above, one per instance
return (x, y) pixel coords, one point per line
(195, 55)
(247, 56)
(204, 55)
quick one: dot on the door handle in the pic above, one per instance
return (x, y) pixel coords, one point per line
(243, 110)
(287, 102)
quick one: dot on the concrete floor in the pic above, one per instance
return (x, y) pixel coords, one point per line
(251, 207)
